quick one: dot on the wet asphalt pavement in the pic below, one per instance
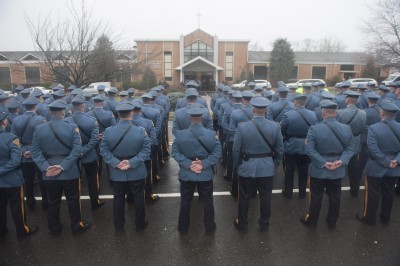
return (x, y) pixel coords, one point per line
(286, 242)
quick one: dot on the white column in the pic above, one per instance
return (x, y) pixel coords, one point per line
(216, 76)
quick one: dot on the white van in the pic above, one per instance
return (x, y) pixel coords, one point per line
(92, 88)
(391, 78)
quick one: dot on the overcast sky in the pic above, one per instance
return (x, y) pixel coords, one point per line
(260, 21)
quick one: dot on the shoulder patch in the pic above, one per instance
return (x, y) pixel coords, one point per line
(16, 142)
(77, 130)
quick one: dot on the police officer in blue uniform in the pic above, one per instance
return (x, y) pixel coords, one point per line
(244, 114)
(41, 108)
(230, 135)
(149, 112)
(3, 101)
(104, 120)
(213, 101)
(257, 151)
(312, 101)
(89, 132)
(13, 112)
(163, 101)
(196, 150)
(277, 109)
(24, 127)
(329, 145)
(384, 92)
(148, 125)
(294, 127)
(318, 110)
(110, 103)
(182, 119)
(125, 147)
(58, 163)
(382, 168)
(88, 101)
(131, 94)
(218, 103)
(357, 120)
(362, 102)
(373, 116)
(292, 92)
(340, 98)
(11, 184)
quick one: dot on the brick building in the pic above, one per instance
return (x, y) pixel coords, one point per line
(200, 56)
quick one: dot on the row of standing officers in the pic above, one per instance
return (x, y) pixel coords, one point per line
(255, 136)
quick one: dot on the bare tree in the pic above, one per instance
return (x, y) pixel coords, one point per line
(383, 30)
(331, 45)
(80, 50)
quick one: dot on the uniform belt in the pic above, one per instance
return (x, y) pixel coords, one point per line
(121, 158)
(200, 158)
(247, 156)
(296, 136)
(331, 154)
(55, 156)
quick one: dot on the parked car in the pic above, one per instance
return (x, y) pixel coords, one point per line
(43, 89)
(92, 88)
(356, 81)
(259, 82)
(391, 78)
(300, 82)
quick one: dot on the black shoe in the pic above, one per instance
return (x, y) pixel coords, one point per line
(306, 222)
(153, 199)
(363, 220)
(83, 228)
(32, 230)
(211, 230)
(140, 229)
(240, 228)
(98, 204)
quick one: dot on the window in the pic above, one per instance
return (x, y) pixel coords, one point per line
(198, 49)
(229, 66)
(5, 76)
(61, 72)
(294, 72)
(167, 66)
(32, 74)
(318, 72)
(346, 67)
(260, 72)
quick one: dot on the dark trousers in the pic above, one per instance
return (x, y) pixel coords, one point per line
(71, 189)
(248, 186)
(92, 176)
(14, 196)
(215, 125)
(165, 139)
(121, 188)
(205, 190)
(148, 187)
(376, 187)
(29, 171)
(301, 162)
(354, 173)
(229, 160)
(100, 164)
(362, 160)
(333, 189)
(154, 161)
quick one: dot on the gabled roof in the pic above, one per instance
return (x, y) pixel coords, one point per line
(199, 58)
(29, 57)
(312, 57)
(3, 58)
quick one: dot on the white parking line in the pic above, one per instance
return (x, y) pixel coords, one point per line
(178, 195)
